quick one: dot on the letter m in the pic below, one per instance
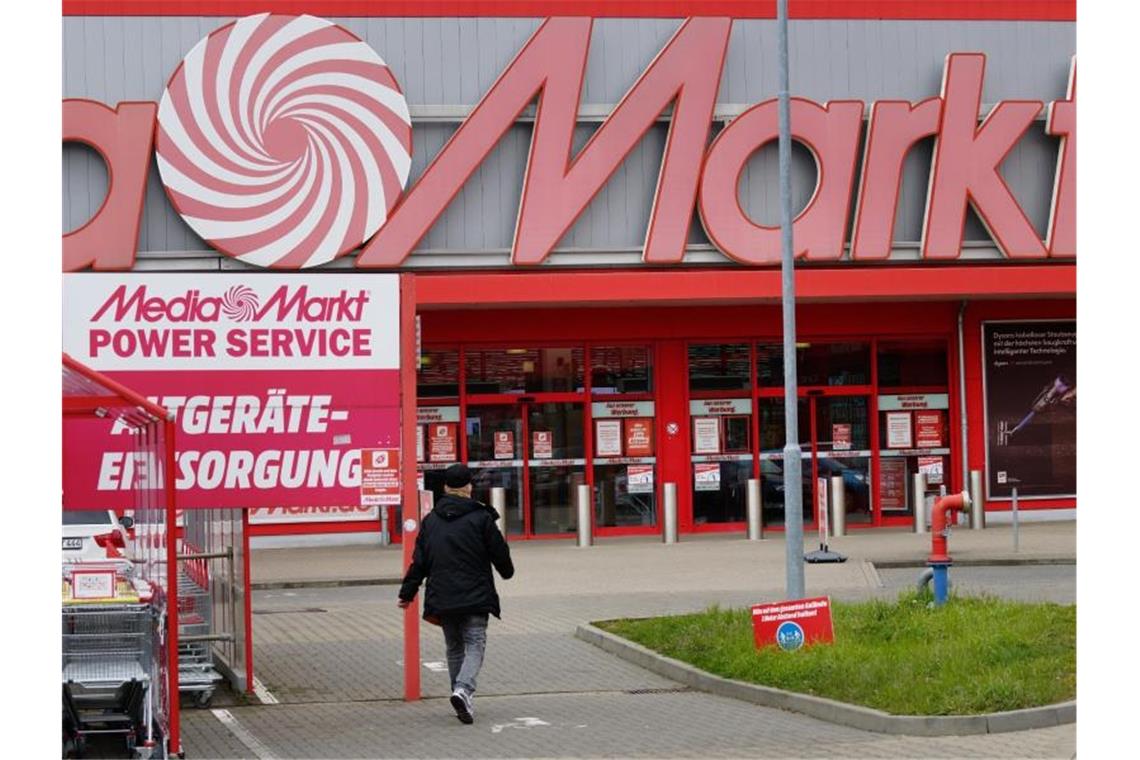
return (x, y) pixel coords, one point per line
(557, 189)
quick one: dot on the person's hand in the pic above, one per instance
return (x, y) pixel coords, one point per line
(404, 604)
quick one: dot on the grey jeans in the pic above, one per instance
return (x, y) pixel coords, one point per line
(466, 639)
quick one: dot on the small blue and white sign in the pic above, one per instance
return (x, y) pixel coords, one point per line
(790, 636)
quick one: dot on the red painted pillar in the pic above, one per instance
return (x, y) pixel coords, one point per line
(411, 511)
(673, 429)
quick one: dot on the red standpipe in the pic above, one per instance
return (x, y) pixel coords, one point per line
(940, 520)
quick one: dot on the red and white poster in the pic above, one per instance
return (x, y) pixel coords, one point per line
(793, 624)
(928, 430)
(931, 467)
(543, 444)
(607, 438)
(898, 430)
(639, 478)
(841, 436)
(277, 380)
(379, 477)
(504, 444)
(419, 443)
(639, 437)
(706, 476)
(442, 440)
(706, 435)
(892, 484)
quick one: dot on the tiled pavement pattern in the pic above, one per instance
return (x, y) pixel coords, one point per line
(597, 724)
(333, 658)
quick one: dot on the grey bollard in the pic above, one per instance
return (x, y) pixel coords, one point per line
(1016, 537)
(919, 487)
(977, 509)
(585, 528)
(499, 504)
(669, 535)
(838, 507)
(385, 535)
(755, 528)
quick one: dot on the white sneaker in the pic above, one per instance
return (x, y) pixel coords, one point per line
(464, 710)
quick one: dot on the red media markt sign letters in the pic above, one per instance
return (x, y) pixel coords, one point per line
(793, 624)
(386, 223)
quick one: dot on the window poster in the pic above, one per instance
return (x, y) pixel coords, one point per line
(928, 430)
(706, 476)
(1030, 376)
(706, 435)
(892, 484)
(504, 444)
(638, 437)
(542, 444)
(931, 467)
(442, 439)
(898, 430)
(841, 436)
(607, 438)
(639, 478)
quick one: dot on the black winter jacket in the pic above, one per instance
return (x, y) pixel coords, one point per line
(455, 549)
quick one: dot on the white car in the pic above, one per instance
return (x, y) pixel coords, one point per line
(94, 536)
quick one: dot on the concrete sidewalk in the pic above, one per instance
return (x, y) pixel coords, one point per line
(694, 563)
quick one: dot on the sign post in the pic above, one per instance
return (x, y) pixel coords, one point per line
(823, 554)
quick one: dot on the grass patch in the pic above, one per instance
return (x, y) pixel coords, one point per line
(973, 655)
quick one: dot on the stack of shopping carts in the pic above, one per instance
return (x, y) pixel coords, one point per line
(196, 672)
(110, 666)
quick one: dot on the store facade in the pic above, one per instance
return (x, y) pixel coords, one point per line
(597, 278)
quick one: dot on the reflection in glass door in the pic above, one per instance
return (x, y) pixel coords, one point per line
(495, 456)
(842, 446)
(555, 464)
(535, 451)
(772, 484)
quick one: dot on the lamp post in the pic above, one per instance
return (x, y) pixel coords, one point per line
(793, 466)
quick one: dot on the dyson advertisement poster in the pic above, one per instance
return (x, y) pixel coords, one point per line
(1031, 408)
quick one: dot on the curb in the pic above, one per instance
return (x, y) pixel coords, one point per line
(898, 564)
(331, 583)
(865, 718)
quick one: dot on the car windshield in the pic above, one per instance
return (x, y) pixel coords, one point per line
(87, 517)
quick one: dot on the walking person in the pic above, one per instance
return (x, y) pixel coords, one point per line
(457, 545)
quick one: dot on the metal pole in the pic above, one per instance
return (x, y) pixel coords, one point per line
(793, 493)
(1016, 537)
(499, 504)
(838, 507)
(919, 502)
(385, 535)
(585, 528)
(670, 534)
(755, 528)
(977, 511)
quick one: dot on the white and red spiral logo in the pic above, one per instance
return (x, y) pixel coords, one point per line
(283, 141)
(240, 303)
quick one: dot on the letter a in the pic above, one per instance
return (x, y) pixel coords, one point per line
(123, 138)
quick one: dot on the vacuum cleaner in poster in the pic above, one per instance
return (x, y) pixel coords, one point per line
(1031, 408)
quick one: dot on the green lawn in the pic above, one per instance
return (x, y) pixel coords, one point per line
(973, 655)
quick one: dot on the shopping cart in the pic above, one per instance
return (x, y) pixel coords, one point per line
(108, 668)
(196, 672)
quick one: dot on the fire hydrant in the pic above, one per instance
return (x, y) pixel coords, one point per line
(939, 561)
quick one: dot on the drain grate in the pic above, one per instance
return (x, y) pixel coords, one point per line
(671, 690)
(289, 612)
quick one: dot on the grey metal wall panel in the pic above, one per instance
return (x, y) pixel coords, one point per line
(453, 61)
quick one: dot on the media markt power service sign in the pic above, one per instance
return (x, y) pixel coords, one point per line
(277, 380)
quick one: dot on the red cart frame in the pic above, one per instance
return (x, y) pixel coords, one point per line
(87, 393)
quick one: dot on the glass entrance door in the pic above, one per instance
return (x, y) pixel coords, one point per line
(535, 451)
(836, 441)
